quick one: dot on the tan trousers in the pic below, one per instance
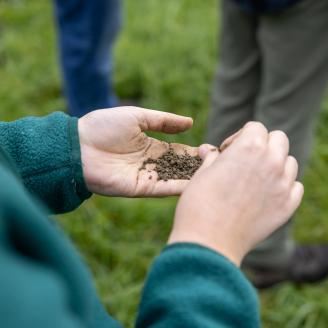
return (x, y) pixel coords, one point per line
(273, 68)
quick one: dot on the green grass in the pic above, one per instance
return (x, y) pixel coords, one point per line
(166, 55)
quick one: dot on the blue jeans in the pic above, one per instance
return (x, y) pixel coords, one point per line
(86, 33)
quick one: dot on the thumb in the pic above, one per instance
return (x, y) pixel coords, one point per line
(153, 120)
(208, 154)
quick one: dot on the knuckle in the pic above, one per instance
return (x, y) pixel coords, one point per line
(259, 143)
(280, 133)
(284, 187)
(255, 144)
(276, 165)
(291, 168)
(281, 192)
(249, 124)
(130, 107)
(293, 161)
(254, 124)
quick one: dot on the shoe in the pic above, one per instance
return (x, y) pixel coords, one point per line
(308, 264)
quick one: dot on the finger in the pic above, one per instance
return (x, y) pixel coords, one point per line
(291, 169)
(149, 185)
(227, 142)
(153, 120)
(157, 148)
(252, 135)
(279, 146)
(208, 154)
(169, 188)
(295, 197)
(204, 149)
(182, 149)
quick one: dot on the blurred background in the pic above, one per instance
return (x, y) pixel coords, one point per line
(165, 58)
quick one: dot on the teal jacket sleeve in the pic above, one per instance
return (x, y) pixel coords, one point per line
(46, 153)
(43, 281)
(193, 286)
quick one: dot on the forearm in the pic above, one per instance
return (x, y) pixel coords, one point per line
(46, 152)
(192, 286)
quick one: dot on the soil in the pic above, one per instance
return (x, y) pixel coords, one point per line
(174, 166)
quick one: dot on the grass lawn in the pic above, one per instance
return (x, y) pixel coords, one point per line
(166, 55)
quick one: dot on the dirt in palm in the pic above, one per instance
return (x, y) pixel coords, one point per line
(174, 166)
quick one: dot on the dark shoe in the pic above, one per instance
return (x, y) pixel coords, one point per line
(308, 264)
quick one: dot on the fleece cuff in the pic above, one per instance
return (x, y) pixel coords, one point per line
(46, 152)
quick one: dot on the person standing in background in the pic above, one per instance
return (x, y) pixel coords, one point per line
(274, 69)
(86, 34)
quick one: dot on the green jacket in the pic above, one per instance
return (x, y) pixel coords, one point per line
(43, 282)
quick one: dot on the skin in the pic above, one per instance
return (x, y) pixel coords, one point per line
(114, 146)
(239, 197)
(235, 200)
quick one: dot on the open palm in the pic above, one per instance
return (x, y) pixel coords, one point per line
(114, 147)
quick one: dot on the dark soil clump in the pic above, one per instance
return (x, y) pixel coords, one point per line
(174, 166)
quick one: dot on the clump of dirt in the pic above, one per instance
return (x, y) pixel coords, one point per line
(174, 166)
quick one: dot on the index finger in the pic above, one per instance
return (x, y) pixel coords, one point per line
(253, 134)
(158, 148)
(182, 149)
(228, 141)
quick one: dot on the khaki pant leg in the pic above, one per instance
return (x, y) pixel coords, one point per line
(237, 81)
(294, 55)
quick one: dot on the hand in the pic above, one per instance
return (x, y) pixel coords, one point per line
(114, 146)
(239, 197)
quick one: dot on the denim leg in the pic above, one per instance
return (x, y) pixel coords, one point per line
(86, 33)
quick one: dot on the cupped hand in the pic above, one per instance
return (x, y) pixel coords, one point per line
(240, 196)
(114, 147)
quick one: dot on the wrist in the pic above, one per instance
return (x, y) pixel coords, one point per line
(78, 152)
(218, 245)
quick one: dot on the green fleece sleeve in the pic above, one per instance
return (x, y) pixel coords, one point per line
(193, 286)
(43, 281)
(46, 152)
